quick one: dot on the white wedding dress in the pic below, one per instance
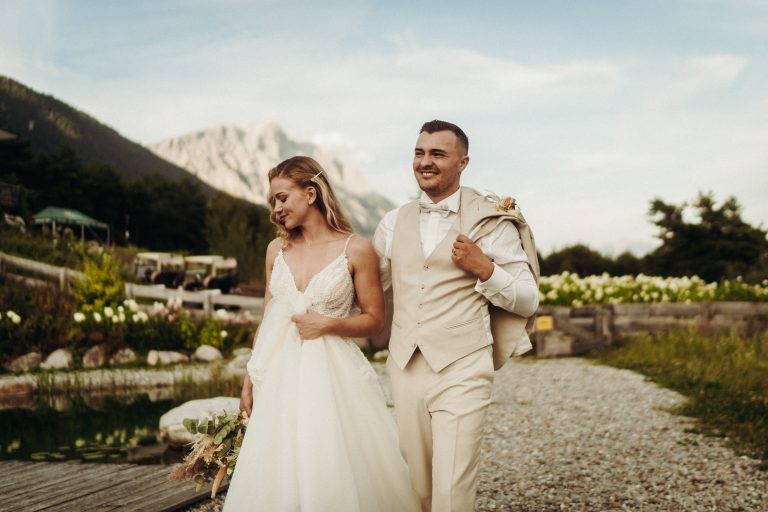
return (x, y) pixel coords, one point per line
(320, 437)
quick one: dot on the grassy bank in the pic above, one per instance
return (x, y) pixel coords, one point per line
(724, 376)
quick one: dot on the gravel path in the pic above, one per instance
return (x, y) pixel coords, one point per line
(565, 434)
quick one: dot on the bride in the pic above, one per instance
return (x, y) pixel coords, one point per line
(320, 436)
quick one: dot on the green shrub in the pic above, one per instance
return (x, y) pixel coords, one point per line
(103, 285)
(60, 252)
(212, 333)
(45, 318)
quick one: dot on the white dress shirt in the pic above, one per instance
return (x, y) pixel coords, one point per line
(511, 285)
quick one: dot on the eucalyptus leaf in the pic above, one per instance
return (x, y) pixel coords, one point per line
(190, 425)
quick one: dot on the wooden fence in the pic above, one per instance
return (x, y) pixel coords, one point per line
(205, 302)
(563, 330)
(573, 330)
(36, 273)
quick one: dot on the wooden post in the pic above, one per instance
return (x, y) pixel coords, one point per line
(208, 305)
(62, 278)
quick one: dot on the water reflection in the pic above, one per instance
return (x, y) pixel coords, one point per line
(98, 427)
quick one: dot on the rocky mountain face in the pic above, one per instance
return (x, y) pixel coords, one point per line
(47, 123)
(236, 160)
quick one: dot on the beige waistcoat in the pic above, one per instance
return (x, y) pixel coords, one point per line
(436, 307)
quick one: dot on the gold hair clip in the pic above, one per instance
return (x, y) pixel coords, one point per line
(316, 175)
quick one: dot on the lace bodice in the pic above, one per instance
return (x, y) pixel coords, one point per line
(330, 292)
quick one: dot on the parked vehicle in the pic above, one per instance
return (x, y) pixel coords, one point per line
(159, 268)
(210, 271)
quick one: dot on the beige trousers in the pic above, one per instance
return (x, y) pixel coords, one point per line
(440, 419)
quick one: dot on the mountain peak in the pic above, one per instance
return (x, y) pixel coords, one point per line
(237, 160)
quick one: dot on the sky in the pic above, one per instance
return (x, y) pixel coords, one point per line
(583, 111)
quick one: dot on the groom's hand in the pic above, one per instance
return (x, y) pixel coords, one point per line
(311, 325)
(467, 256)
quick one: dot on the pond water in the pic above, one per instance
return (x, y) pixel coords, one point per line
(119, 427)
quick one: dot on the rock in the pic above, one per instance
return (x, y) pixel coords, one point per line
(171, 428)
(207, 354)
(554, 344)
(95, 357)
(156, 357)
(59, 359)
(123, 356)
(25, 363)
(241, 351)
(381, 355)
(239, 362)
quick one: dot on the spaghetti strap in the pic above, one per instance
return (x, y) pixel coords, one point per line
(347, 244)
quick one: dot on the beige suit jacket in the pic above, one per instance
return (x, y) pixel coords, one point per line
(479, 216)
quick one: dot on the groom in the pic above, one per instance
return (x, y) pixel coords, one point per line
(464, 273)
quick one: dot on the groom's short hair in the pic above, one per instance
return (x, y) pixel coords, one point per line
(438, 126)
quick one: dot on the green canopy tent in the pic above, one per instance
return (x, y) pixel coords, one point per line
(66, 216)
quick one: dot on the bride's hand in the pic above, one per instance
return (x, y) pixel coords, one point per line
(246, 397)
(311, 325)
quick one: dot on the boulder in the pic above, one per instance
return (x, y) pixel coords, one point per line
(59, 359)
(156, 357)
(241, 351)
(207, 354)
(171, 428)
(123, 356)
(25, 363)
(239, 362)
(555, 344)
(95, 357)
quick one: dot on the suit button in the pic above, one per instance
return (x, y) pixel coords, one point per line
(421, 306)
(413, 345)
(426, 267)
(422, 287)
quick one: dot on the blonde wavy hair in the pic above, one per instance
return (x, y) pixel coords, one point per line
(306, 172)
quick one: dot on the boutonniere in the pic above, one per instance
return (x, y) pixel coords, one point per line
(503, 204)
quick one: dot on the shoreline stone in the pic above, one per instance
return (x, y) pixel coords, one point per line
(123, 356)
(59, 359)
(95, 357)
(172, 431)
(165, 357)
(26, 363)
(207, 353)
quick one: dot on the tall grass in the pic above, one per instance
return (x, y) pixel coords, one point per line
(724, 377)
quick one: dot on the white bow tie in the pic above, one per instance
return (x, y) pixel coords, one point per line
(432, 207)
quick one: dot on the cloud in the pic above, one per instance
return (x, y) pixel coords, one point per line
(584, 138)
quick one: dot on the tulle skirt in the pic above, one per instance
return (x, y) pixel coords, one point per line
(320, 437)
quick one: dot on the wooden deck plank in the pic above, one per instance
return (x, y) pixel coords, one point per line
(14, 474)
(38, 479)
(110, 499)
(171, 494)
(173, 503)
(107, 488)
(93, 487)
(78, 482)
(112, 494)
(175, 495)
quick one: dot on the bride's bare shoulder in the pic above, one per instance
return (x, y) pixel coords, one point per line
(360, 249)
(273, 248)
